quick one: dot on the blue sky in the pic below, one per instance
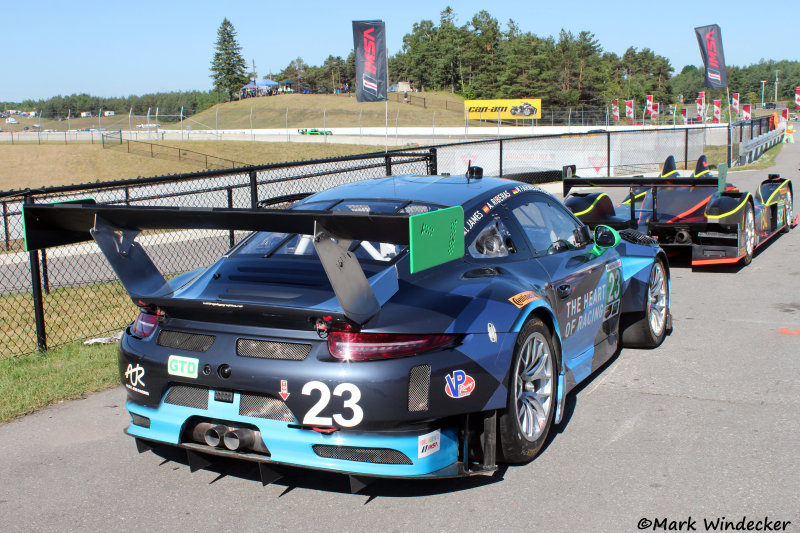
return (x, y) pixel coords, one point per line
(53, 47)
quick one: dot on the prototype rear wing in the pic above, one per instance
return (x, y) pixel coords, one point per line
(570, 180)
(434, 238)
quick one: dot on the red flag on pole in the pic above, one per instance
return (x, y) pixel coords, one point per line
(685, 115)
(735, 103)
(615, 108)
(654, 110)
(717, 110)
(629, 109)
(797, 98)
(701, 103)
(649, 104)
(785, 114)
(746, 111)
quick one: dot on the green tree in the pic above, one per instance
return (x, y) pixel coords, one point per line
(228, 68)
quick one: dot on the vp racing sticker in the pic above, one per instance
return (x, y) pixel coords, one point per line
(459, 384)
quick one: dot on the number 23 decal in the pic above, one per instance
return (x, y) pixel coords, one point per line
(312, 416)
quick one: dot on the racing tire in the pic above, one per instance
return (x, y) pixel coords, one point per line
(787, 213)
(749, 225)
(648, 330)
(531, 405)
(527, 112)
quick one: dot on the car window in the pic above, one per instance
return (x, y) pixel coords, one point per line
(286, 244)
(492, 242)
(548, 227)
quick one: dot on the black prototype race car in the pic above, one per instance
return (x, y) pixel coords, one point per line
(373, 329)
(713, 219)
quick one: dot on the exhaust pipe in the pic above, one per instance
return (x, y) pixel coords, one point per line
(683, 237)
(199, 432)
(213, 435)
(239, 439)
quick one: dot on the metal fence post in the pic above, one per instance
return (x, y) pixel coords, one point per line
(730, 146)
(230, 205)
(501, 158)
(45, 277)
(5, 223)
(388, 163)
(608, 152)
(253, 189)
(686, 149)
(36, 293)
(433, 166)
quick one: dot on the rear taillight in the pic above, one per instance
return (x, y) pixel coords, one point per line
(365, 346)
(145, 324)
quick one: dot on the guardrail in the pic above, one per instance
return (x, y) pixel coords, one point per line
(751, 150)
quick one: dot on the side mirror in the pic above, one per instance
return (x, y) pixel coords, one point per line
(604, 238)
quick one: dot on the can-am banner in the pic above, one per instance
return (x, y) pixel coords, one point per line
(369, 43)
(710, 40)
(509, 108)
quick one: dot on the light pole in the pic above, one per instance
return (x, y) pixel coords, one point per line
(762, 93)
(776, 88)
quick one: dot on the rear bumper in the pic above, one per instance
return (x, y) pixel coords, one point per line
(404, 454)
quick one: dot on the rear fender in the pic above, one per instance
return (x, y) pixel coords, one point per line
(728, 207)
(591, 207)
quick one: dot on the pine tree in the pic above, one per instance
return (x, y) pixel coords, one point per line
(228, 68)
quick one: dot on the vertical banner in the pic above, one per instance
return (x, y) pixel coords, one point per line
(685, 115)
(369, 43)
(797, 98)
(785, 114)
(717, 110)
(629, 109)
(615, 108)
(649, 98)
(654, 108)
(735, 103)
(710, 40)
(746, 111)
(701, 103)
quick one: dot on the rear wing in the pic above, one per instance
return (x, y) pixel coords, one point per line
(434, 238)
(570, 180)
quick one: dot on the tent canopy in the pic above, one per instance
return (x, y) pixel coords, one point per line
(288, 82)
(250, 85)
(267, 83)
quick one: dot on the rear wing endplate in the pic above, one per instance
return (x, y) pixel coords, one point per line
(434, 238)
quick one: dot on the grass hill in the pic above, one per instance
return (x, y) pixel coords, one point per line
(306, 111)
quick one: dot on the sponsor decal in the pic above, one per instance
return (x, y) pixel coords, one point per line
(593, 306)
(459, 384)
(492, 332)
(522, 299)
(515, 190)
(428, 444)
(135, 375)
(509, 108)
(284, 390)
(486, 209)
(185, 367)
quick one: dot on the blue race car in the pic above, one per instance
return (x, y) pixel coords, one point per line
(409, 326)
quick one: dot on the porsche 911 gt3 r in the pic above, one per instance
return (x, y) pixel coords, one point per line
(713, 219)
(410, 326)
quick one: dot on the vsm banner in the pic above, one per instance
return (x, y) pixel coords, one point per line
(710, 40)
(369, 43)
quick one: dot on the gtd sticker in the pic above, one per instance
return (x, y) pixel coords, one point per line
(459, 384)
(185, 367)
(428, 444)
